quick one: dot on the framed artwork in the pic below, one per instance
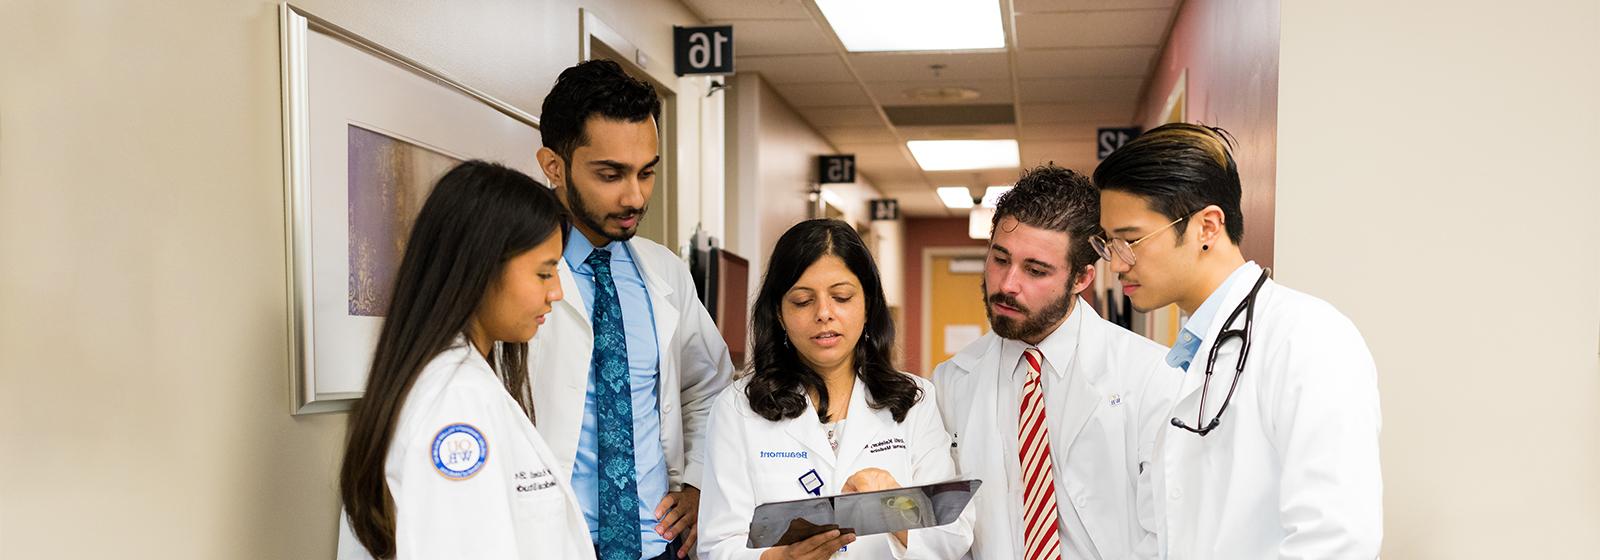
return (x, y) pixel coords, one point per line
(367, 131)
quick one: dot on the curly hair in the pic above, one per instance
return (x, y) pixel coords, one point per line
(1057, 199)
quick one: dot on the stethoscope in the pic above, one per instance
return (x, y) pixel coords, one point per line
(1248, 308)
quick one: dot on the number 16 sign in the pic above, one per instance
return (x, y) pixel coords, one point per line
(702, 50)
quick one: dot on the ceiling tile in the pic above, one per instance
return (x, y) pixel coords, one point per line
(1079, 156)
(904, 67)
(886, 156)
(898, 93)
(857, 134)
(821, 117)
(1078, 90)
(1116, 112)
(1059, 131)
(788, 69)
(1144, 28)
(777, 37)
(823, 95)
(919, 203)
(958, 132)
(1109, 62)
(722, 10)
(1036, 6)
(975, 181)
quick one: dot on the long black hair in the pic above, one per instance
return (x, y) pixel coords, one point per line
(478, 216)
(779, 379)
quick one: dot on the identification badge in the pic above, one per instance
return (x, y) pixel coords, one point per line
(811, 482)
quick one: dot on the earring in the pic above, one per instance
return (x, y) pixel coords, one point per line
(1205, 247)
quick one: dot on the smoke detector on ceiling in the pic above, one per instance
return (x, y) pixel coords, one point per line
(941, 94)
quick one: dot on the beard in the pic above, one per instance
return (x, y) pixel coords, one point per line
(595, 221)
(1035, 326)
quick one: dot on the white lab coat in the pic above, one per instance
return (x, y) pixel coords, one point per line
(1119, 390)
(694, 365)
(1292, 471)
(739, 477)
(513, 506)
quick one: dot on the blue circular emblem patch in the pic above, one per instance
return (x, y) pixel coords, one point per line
(459, 451)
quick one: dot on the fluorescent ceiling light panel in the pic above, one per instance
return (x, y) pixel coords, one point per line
(959, 155)
(915, 25)
(955, 198)
(992, 195)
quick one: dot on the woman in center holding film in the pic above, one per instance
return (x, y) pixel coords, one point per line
(822, 411)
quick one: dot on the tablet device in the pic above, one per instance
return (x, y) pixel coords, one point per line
(862, 513)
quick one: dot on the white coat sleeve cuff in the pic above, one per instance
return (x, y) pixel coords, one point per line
(692, 475)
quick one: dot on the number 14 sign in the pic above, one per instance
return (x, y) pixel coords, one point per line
(702, 50)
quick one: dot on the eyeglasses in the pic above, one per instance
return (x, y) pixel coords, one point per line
(1248, 308)
(1124, 249)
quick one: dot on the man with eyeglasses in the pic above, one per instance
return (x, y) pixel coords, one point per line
(1271, 450)
(1056, 409)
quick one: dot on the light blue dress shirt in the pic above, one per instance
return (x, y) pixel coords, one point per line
(650, 461)
(1194, 330)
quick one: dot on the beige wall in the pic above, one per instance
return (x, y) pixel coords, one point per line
(1436, 182)
(143, 377)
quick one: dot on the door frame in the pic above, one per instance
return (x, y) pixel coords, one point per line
(664, 200)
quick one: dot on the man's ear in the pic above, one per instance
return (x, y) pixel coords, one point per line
(553, 167)
(1212, 225)
(1085, 279)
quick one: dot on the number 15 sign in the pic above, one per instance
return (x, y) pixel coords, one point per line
(702, 50)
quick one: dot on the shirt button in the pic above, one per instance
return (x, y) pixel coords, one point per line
(1175, 494)
(1082, 502)
(666, 408)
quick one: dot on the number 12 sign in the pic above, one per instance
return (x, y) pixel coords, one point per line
(702, 50)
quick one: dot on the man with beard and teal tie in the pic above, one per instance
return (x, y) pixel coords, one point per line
(623, 386)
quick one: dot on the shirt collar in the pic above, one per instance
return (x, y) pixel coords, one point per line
(1058, 347)
(1194, 330)
(579, 248)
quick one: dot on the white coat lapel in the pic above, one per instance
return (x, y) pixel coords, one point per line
(862, 427)
(661, 306)
(1084, 371)
(572, 303)
(807, 431)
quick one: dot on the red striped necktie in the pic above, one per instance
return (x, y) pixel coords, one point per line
(1041, 519)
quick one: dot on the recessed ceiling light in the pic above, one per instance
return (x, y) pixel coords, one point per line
(955, 198)
(992, 194)
(942, 94)
(915, 25)
(957, 155)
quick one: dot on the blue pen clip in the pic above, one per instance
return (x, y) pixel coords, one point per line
(811, 482)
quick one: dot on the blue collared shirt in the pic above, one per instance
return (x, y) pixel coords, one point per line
(1194, 330)
(649, 459)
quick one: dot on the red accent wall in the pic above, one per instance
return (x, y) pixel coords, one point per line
(923, 233)
(1230, 48)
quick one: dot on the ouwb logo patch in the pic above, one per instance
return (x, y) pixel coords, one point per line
(459, 451)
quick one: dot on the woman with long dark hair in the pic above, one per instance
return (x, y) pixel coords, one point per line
(823, 410)
(443, 460)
